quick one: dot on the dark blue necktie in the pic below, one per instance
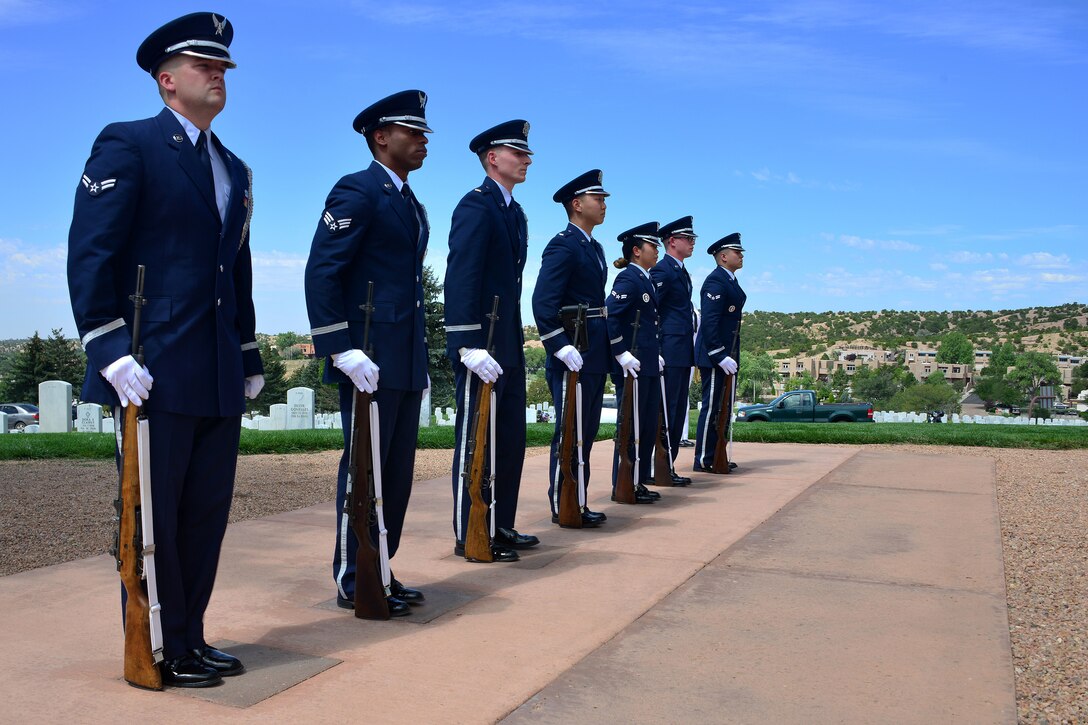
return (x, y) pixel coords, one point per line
(205, 158)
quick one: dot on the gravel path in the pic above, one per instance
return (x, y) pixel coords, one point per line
(1042, 495)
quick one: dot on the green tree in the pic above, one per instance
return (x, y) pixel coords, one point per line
(803, 382)
(275, 381)
(1033, 369)
(285, 340)
(25, 370)
(1001, 360)
(536, 391)
(934, 394)
(956, 349)
(64, 360)
(839, 384)
(438, 365)
(535, 358)
(756, 375)
(994, 389)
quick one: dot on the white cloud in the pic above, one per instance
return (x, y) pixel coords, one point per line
(970, 257)
(1060, 278)
(938, 267)
(1044, 260)
(892, 245)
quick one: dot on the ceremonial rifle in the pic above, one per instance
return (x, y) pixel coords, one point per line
(134, 540)
(723, 421)
(571, 492)
(478, 535)
(628, 415)
(372, 576)
(663, 469)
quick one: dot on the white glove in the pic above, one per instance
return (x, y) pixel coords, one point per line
(570, 357)
(660, 364)
(131, 380)
(729, 365)
(254, 386)
(629, 363)
(481, 363)
(359, 368)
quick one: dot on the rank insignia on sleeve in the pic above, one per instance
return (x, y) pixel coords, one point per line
(94, 188)
(645, 296)
(660, 283)
(713, 297)
(335, 225)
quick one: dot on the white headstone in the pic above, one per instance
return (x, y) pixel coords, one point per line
(530, 415)
(32, 428)
(249, 423)
(449, 414)
(263, 422)
(425, 409)
(107, 425)
(89, 418)
(55, 406)
(3, 423)
(300, 409)
(278, 414)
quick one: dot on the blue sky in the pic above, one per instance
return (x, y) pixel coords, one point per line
(902, 155)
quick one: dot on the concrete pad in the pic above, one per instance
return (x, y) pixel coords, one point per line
(743, 646)
(492, 636)
(268, 672)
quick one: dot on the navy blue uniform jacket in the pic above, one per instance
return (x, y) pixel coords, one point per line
(673, 287)
(487, 256)
(633, 291)
(144, 199)
(721, 300)
(369, 233)
(572, 272)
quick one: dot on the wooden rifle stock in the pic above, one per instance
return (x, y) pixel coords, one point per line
(724, 418)
(140, 666)
(625, 472)
(477, 534)
(570, 510)
(370, 593)
(663, 471)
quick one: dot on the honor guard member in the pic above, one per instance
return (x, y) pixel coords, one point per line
(373, 229)
(673, 285)
(717, 346)
(488, 238)
(632, 291)
(573, 272)
(164, 192)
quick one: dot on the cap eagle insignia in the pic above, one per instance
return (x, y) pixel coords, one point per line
(220, 25)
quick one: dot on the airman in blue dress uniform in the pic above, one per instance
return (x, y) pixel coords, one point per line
(717, 346)
(633, 291)
(673, 285)
(488, 245)
(373, 229)
(573, 272)
(164, 192)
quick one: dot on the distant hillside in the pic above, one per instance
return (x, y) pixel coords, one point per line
(1062, 329)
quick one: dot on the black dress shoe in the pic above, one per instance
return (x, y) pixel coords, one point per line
(678, 480)
(498, 553)
(188, 671)
(640, 489)
(596, 514)
(640, 498)
(412, 596)
(398, 607)
(685, 443)
(226, 665)
(700, 469)
(514, 540)
(590, 520)
(732, 465)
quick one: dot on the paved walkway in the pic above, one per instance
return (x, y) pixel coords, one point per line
(819, 584)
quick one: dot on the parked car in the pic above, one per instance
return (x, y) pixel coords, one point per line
(20, 415)
(799, 406)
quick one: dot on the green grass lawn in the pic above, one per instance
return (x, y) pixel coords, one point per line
(92, 445)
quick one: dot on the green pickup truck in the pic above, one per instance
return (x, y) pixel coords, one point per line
(799, 406)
